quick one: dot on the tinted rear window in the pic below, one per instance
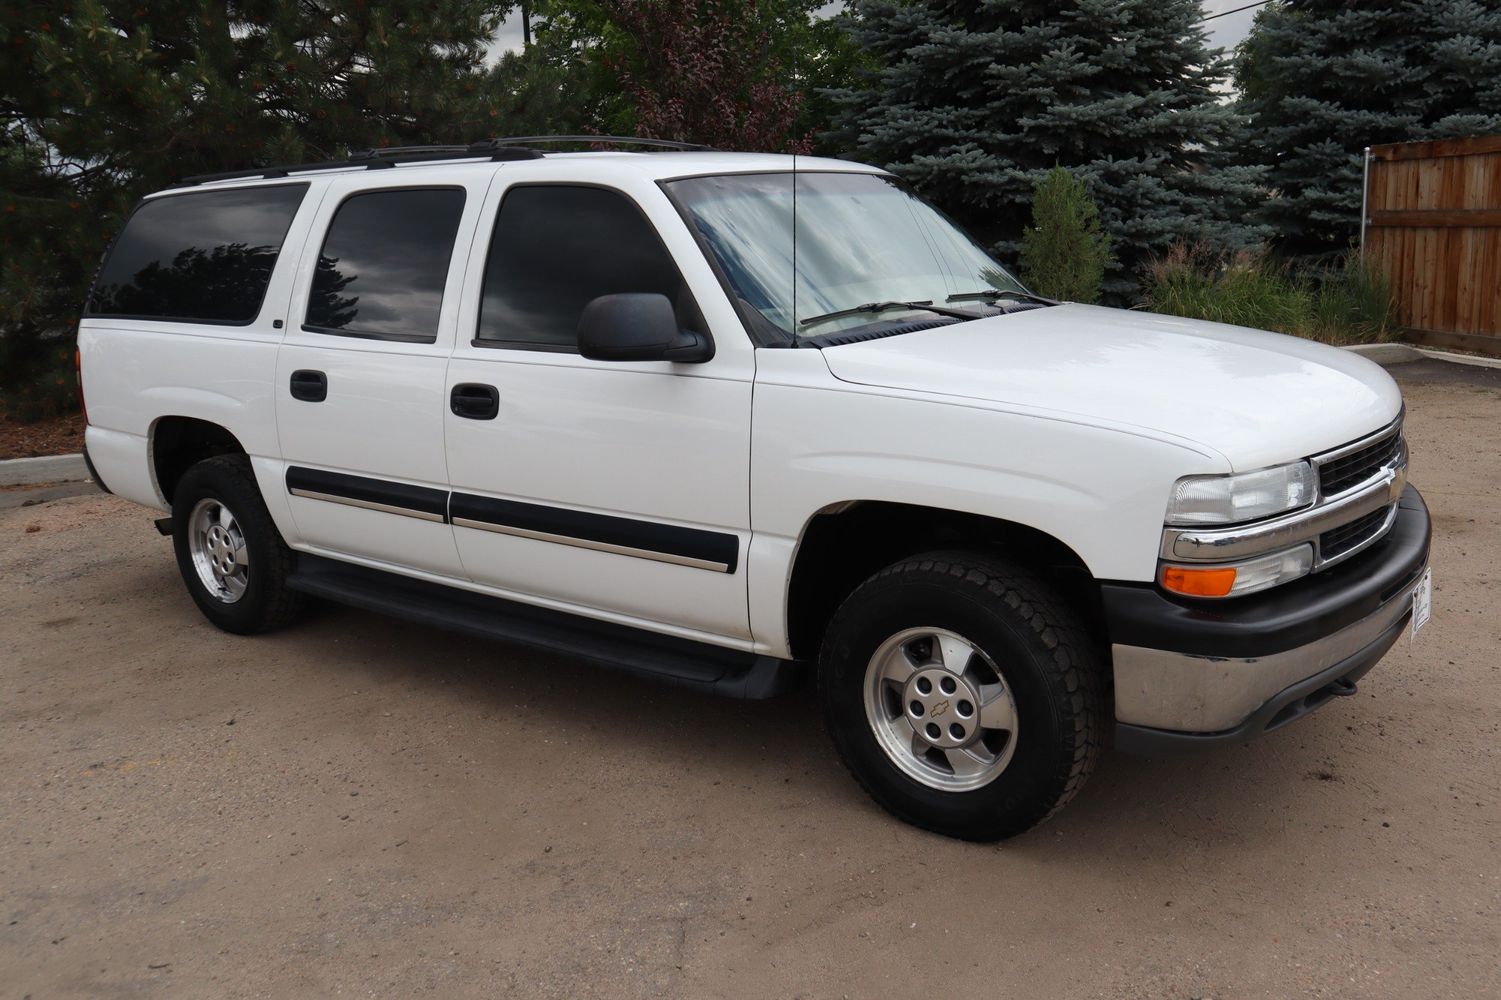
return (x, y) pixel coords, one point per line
(384, 263)
(205, 256)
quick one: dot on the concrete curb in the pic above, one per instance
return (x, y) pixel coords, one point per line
(47, 469)
(1386, 354)
(1459, 359)
(1396, 354)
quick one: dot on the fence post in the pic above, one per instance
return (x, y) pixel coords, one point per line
(1365, 199)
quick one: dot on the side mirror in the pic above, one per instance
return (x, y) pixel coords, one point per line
(638, 326)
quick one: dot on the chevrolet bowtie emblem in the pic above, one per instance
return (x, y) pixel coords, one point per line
(939, 709)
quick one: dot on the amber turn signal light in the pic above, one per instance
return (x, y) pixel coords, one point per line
(1193, 582)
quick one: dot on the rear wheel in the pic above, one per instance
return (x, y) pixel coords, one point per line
(231, 556)
(964, 694)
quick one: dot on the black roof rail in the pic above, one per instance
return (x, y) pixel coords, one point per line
(511, 147)
(373, 159)
(604, 140)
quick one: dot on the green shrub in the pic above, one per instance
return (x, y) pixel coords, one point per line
(1064, 251)
(1351, 303)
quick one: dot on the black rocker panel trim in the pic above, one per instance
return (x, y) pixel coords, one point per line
(684, 662)
(708, 549)
(421, 500)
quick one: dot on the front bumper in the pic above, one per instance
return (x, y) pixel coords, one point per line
(1191, 674)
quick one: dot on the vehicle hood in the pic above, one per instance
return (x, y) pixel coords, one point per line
(1257, 398)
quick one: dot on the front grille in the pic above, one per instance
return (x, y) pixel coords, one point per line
(1337, 541)
(1339, 474)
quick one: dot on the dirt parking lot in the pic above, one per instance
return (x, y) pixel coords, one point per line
(362, 807)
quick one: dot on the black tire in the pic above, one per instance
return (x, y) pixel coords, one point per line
(1054, 669)
(266, 602)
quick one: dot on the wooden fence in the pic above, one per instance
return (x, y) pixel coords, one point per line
(1433, 225)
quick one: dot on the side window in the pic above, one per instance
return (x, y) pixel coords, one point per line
(383, 265)
(197, 257)
(555, 248)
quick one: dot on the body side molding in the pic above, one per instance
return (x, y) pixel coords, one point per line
(423, 502)
(695, 547)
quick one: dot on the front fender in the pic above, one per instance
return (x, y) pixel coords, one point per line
(1100, 491)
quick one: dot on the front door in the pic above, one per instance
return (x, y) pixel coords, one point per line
(359, 386)
(614, 489)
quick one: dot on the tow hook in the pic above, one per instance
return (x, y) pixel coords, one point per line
(1342, 687)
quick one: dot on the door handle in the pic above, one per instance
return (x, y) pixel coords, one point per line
(474, 400)
(309, 386)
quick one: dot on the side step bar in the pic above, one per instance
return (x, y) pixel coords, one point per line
(683, 662)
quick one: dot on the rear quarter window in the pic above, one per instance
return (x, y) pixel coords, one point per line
(384, 263)
(198, 257)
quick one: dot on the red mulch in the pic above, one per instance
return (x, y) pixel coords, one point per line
(58, 436)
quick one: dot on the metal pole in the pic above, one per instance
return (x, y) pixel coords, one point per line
(1365, 199)
(526, 24)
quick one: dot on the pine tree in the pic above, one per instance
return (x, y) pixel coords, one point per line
(104, 100)
(1064, 250)
(973, 102)
(1322, 79)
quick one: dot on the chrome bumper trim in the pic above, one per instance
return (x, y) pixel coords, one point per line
(1206, 694)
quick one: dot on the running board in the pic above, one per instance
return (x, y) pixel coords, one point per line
(684, 662)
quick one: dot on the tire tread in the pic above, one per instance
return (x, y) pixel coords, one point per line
(1054, 624)
(283, 604)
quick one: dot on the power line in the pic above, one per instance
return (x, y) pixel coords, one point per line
(1227, 13)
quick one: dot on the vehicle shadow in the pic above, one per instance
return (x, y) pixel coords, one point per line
(1132, 806)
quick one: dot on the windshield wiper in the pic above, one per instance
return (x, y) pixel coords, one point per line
(875, 307)
(991, 294)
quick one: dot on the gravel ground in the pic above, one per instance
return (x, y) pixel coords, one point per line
(360, 806)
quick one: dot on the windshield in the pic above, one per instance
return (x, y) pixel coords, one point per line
(863, 246)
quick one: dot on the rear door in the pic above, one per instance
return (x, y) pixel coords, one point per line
(617, 489)
(360, 376)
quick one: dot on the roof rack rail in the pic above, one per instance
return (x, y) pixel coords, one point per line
(510, 147)
(604, 140)
(373, 159)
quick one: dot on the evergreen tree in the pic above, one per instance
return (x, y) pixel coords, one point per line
(974, 101)
(1064, 250)
(1322, 79)
(103, 100)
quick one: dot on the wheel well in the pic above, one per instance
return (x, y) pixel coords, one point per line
(845, 545)
(179, 443)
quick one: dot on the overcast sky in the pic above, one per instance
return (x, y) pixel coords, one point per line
(1223, 31)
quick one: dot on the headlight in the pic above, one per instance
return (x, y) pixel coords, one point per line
(1235, 579)
(1245, 496)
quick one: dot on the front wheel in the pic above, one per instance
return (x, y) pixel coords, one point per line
(231, 556)
(964, 694)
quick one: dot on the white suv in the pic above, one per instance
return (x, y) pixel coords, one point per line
(712, 416)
